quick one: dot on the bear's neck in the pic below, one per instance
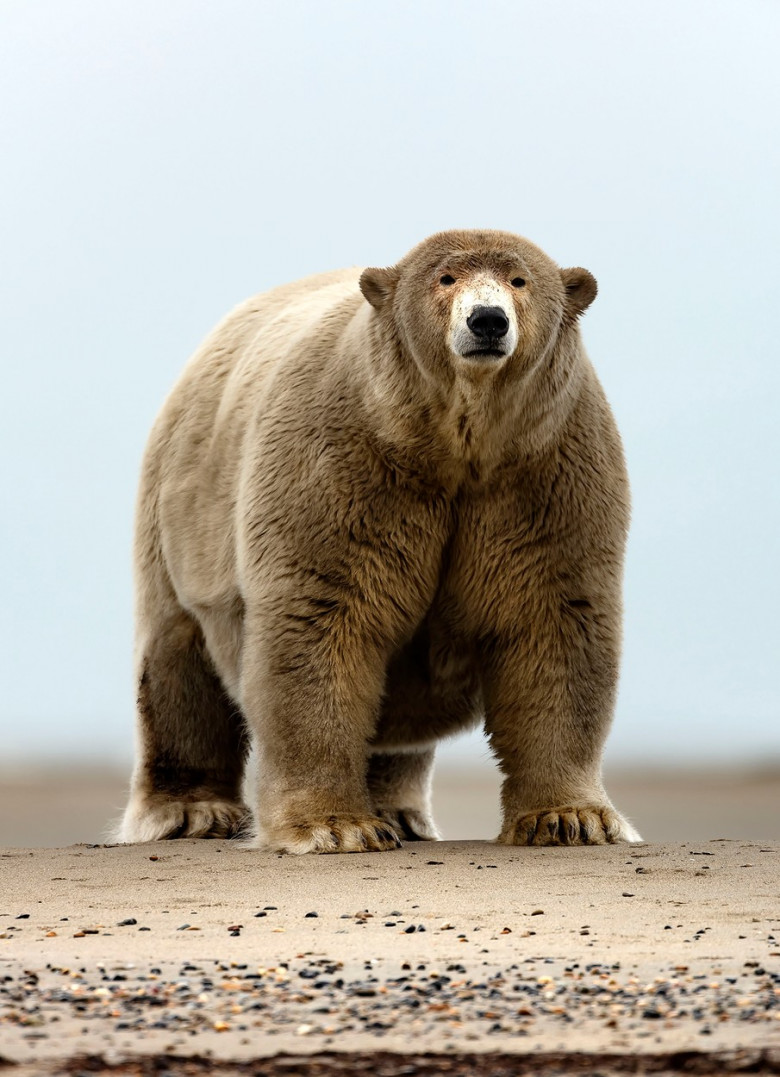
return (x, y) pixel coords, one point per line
(471, 428)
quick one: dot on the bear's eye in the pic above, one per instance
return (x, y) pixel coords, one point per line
(518, 282)
(447, 279)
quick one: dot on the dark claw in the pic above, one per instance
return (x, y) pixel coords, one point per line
(407, 833)
(178, 831)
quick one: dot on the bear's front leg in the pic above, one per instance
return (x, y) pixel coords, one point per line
(338, 573)
(549, 698)
(312, 688)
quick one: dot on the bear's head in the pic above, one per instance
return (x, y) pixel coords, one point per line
(478, 301)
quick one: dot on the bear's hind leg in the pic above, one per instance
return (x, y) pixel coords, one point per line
(399, 784)
(192, 744)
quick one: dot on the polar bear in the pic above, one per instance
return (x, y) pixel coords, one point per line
(379, 508)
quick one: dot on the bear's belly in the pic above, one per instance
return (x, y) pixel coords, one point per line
(433, 688)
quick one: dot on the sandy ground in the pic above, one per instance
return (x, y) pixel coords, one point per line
(208, 949)
(518, 958)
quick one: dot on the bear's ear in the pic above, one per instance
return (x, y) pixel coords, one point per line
(378, 285)
(581, 290)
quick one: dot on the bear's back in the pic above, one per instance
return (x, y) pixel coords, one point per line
(226, 379)
(192, 466)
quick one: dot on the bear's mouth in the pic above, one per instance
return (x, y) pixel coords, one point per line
(485, 353)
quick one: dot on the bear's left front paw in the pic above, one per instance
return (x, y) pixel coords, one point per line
(569, 825)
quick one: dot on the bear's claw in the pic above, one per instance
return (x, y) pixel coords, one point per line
(334, 834)
(162, 819)
(410, 824)
(569, 825)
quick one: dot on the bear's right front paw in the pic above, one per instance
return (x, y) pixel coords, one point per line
(334, 834)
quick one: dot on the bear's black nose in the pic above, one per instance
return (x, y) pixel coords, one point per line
(488, 322)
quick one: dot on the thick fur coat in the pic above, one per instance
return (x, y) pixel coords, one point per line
(378, 509)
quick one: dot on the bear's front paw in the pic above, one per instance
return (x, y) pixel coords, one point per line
(571, 825)
(158, 818)
(334, 834)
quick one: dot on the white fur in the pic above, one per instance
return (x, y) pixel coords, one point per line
(481, 291)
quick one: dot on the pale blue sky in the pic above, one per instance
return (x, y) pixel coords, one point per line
(161, 161)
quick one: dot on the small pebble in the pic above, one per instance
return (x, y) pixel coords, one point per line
(316, 995)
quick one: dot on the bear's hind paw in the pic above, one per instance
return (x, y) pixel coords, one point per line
(162, 819)
(410, 824)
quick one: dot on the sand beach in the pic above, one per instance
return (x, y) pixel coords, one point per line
(456, 957)
(211, 952)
